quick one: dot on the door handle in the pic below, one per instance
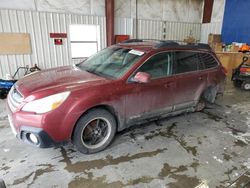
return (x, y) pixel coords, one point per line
(200, 78)
(168, 84)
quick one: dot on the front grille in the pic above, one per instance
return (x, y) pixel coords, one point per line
(14, 99)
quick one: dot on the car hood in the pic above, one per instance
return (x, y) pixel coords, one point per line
(62, 78)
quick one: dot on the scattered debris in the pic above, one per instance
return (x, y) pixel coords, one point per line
(6, 150)
(217, 159)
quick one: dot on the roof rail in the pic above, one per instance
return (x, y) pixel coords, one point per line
(203, 45)
(181, 44)
(141, 40)
(170, 43)
(132, 40)
(166, 43)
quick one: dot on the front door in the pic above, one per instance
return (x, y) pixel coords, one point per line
(147, 100)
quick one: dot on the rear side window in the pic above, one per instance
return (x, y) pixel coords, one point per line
(186, 61)
(208, 60)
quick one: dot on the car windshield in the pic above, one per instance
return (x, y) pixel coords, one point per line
(111, 62)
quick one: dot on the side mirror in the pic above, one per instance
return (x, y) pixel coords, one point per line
(142, 77)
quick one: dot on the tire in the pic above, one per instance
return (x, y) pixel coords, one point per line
(245, 85)
(2, 184)
(94, 131)
(3, 94)
(200, 105)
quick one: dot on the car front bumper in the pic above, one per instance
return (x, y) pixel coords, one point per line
(43, 140)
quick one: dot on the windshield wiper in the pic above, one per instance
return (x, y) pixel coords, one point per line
(92, 71)
(99, 73)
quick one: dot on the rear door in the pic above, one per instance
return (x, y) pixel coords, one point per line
(148, 100)
(190, 81)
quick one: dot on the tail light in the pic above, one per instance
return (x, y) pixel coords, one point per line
(245, 70)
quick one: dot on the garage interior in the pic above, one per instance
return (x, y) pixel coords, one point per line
(206, 149)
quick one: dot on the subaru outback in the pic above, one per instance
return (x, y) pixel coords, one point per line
(122, 85)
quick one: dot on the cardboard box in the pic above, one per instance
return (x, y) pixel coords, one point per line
(216, 46)
(214, 38)
(235, 48)
(190, 40)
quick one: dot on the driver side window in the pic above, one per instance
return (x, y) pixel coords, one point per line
(159, 65)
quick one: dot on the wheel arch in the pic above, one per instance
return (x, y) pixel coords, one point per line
(210, 93)
(106, 107)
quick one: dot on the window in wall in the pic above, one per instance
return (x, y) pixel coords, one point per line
(85, 40)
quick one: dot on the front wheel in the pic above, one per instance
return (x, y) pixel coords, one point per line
(94, 131)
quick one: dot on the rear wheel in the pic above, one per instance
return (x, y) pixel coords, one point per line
(200, 105)
(94, 131)
(245, 85)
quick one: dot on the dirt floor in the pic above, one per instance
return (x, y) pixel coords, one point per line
(203, 149)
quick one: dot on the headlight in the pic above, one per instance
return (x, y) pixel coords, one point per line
(46, 104)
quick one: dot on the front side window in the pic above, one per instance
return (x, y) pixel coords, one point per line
(186, 62)
(160, 65)
(111, 62)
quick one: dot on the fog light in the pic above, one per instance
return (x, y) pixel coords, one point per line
(33, 138)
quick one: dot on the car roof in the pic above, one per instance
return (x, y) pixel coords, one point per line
(147, 45)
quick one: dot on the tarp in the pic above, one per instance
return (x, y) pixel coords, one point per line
(236, 23)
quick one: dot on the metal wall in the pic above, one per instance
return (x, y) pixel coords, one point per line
(124, 26)
(39, 25)
(150, 29)
(155, 29)
(214, 28)
(180, 30)
(47, 55)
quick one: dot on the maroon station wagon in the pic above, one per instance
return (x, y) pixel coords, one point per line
(119, 86)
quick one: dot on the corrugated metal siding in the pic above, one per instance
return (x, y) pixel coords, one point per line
(152, 29)
(124, 26)
(180, 30)
(47, 55)
(39, 25)
(214, 28)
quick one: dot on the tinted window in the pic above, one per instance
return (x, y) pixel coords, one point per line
(186, 61)
(158, 66)
(208, 60)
